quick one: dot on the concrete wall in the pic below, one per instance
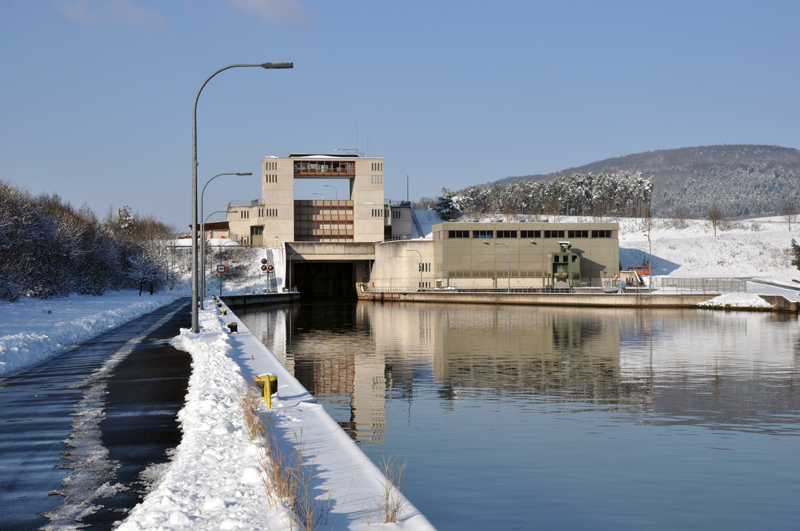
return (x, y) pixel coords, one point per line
(277, 193)
(397, 264)
(366, 191)
(469, 262)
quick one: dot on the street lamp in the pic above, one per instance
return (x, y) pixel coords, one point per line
(420, 264)
(195, 277)
(203, 232)
(509, 260)
(203, 253)
(334, 189)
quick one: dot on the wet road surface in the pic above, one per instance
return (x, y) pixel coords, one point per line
(83, 434)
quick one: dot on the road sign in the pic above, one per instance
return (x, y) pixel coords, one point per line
(221, 269)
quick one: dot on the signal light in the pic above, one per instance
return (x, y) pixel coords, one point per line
(263, 260)
(263, 268)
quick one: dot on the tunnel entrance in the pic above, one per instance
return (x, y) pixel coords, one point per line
(325, 280)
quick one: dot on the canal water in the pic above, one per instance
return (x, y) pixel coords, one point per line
(514, 417)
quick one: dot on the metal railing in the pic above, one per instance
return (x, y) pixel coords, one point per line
(699, 285)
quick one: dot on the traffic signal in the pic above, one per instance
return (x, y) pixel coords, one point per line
(270, 269)
(263, 260)
(263, 268)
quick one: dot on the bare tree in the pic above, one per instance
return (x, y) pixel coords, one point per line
(788, 212)
(714, 216)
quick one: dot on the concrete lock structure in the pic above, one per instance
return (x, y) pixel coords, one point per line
(330, 245)
(536, 254)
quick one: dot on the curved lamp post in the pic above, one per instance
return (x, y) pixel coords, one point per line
(334, 189)
(420, 265)
(195, 277)
(203, 233)
(203, 251)
(509, 261)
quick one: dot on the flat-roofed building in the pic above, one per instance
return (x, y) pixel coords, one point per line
(278, 217)
(458, 255)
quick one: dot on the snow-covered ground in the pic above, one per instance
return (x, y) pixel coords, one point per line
(214, 481)
(33, 330)
(757, 248)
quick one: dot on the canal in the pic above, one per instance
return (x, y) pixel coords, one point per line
(515, 417)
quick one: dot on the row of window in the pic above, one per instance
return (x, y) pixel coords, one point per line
(271, 178)
(244, 214)
(317, 167)
(424, 267)
(377, 212)
(271, 166)
(528, 234)
(377, 179)
(325, 224)
(395, 214)
(377, 166)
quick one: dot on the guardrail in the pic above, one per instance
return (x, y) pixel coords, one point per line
(699, 285)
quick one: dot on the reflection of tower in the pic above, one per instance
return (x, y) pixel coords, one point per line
(369, 396)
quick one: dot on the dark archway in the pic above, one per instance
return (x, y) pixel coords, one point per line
(324, 280)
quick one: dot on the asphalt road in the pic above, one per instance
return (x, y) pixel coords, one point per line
(82, 432)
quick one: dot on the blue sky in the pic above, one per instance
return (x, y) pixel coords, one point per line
(96, 95)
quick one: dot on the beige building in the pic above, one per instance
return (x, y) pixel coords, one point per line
(480, 255)
(277, 217)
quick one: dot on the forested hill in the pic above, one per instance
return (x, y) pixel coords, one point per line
(742, 179)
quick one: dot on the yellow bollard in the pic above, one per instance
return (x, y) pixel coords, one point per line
(224, 312)
(269, 382)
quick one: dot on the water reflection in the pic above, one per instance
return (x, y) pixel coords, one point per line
(512, 417)
(728, 371)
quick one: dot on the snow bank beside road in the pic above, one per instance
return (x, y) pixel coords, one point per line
(32, 330)
(213, 481)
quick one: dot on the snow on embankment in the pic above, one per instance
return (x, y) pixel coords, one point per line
(754, 248)
(32, 330)
(737, 300)
(214, 481)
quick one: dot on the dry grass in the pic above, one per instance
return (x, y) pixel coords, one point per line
(389, 503)
(288, 473)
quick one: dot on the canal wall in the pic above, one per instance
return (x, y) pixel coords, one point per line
(342, 469)
(247, 300)
(598, 300)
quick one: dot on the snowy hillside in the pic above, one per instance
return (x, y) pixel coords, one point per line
(755, 248)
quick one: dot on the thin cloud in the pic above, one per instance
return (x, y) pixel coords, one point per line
(82, 11)
(126, 11)
(274, 10)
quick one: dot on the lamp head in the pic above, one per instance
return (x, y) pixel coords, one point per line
(271, 66)
(245, 173)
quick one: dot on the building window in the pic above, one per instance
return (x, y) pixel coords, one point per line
(244, 214)
(578, 234)
(601, 234)
(506, 234)
(483, 234)
(458, 234)
(554, 234)
(324, 167)
(530, 234)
